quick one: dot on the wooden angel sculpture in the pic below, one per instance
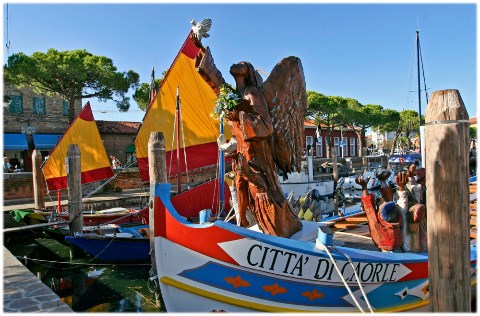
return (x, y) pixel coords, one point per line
(268, 129)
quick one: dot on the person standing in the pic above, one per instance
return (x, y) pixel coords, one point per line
(115, 162)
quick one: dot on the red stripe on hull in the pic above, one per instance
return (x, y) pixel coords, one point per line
(206, 239)
(419, 271)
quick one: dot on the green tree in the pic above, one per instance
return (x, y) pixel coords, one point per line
(73, 75)
(143, 94)
(360, 117)
(327, 112)
(408, 124)
(390, 123)
(472, 132)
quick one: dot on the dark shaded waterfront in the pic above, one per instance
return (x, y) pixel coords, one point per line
(85, 284)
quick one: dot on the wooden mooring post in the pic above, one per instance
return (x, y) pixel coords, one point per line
(335, 178)
(446, 142)
(38, 181)
(157, 169)
(364, 159)
(74, 181)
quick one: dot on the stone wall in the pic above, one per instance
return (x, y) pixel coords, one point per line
(17, 185)
(53, 121)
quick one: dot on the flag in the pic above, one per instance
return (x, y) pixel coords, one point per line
(318, 133)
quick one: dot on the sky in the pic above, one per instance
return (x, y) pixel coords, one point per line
(355, 50)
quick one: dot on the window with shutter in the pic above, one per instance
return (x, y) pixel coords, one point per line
(16, 104)
(39, 105)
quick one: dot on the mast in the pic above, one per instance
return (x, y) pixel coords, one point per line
(221, 161)
(177, 112)
(418, 88)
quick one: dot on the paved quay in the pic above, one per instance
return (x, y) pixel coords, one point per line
(23, 292)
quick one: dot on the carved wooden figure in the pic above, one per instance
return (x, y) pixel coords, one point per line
(268, 128)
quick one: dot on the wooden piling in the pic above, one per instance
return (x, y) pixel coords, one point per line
(364, 159)
(335, 179)
(157, 168)
(446, 142)
(74, 182)
(38, 181)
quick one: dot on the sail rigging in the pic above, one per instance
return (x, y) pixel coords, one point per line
(198, 102)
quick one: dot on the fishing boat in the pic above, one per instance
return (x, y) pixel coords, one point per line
(220, 267)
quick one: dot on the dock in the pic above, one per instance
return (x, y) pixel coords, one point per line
(23, 292)
(132, 197)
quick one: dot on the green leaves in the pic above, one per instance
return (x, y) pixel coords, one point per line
(73, 75)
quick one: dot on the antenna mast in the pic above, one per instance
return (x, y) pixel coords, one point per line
(7, 42)
(418, 86)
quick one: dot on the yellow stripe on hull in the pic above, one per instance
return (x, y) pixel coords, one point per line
(272, 308)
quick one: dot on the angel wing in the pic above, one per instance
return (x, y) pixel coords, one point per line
(286, 96)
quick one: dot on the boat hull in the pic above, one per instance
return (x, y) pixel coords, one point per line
(113, 250)
(221, 267)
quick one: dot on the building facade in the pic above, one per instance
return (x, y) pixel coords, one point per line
(31, 121)
(345, 141)
(118, 139)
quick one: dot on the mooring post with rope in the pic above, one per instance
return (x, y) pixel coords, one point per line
(38, 181)
(446, 135)
(157, 168)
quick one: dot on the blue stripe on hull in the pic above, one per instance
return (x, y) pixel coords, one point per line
(295, 292)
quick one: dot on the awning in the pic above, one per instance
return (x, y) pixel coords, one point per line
(14, 142)
(130, 149)
(46, 141)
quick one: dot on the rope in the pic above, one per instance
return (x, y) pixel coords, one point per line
(184, 148)
(324, 247)
(77, 264)
(356, 276)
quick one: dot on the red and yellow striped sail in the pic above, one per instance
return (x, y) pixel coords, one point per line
(95, 164)
(197, 99)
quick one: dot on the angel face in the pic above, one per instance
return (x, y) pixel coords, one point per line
(244, 74)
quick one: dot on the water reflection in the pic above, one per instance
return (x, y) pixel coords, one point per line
(84, 284)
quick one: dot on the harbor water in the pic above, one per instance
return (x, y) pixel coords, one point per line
(82, 282)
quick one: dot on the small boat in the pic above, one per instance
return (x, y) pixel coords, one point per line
(114, 243)
(301, 183)
(118, 215)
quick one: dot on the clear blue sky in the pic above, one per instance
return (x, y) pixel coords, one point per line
(360, 51)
